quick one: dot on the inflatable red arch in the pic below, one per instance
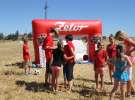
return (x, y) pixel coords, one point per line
(75, 27)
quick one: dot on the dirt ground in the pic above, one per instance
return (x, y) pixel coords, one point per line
(15, 85)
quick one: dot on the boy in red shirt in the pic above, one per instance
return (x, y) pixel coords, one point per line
(69, 56)
(99, 64)
(26, 57)
(48, 45)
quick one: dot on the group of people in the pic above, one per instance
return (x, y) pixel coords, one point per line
(118, 57)
(57, 55)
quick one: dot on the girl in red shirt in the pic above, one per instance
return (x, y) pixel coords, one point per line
(111, 51)
(26, 57)
(99, 64)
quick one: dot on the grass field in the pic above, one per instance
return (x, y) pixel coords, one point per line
(14, 85)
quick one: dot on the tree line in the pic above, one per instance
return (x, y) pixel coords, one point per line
(15, 36)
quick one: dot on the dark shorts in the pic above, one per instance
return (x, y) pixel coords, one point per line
(48, 68)
(68, 71)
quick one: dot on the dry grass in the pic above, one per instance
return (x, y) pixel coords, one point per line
(14, 85)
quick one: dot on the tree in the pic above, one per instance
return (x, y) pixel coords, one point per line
(16, 34)
(30, 35)
(1, 36)
(11, 36)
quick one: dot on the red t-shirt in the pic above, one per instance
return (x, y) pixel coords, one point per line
(100, 58)
(91, 51)
(48, 52)
(71, 45)
(26, 53)
(111, 50)
(69, 51)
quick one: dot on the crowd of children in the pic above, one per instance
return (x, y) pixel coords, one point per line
(118, 58)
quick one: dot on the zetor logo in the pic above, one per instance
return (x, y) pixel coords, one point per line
(63, 26)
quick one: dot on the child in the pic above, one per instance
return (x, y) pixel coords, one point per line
(111, 51)
(99, 64)
(121, 76)
(26, 57)
(58, 58)
(129, 49)
(40, 41)
(69, 62)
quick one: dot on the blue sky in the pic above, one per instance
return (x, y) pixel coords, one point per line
(114, 14)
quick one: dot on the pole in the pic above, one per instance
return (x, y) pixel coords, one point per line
(46, 7)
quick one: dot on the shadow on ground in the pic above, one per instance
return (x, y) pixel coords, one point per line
(18, 64)
(32, 86)
(93, 81)
(90, 93)
(10, 72)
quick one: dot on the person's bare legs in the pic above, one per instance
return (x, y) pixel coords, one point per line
(49, 78)
(132, 87)
(110, 72)
(129, 88)
(65, 83)
(115, 87)
(25, 69)
(46, 77)
(122, 89)
(53, 79)
(70, 83)
(57, 81)
(47, 74)
(102, 81)
(29, 69)
(97, 81)
(65, 79)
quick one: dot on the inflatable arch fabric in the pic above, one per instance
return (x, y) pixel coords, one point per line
(91, 28)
